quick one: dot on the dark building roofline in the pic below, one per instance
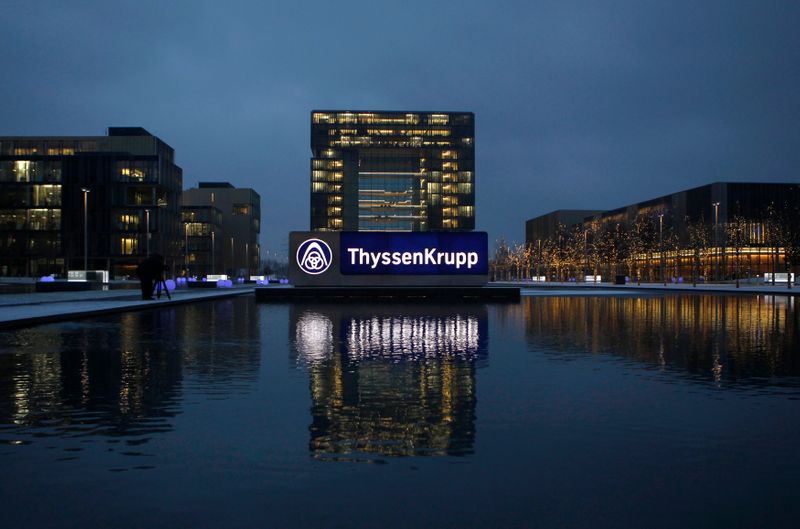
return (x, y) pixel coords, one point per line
(128, 131)
(217, 185)
(565, 210)
(344, 111)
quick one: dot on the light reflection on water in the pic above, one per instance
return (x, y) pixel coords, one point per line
(742, 342)
(553, 409)
(122, 378)
(394, 380)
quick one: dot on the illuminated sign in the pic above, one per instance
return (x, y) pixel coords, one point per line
(314, 256)
(341, 258)
(419, 253)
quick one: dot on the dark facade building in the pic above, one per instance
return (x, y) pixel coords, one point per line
(392, 171)
(546, 226)
(236, 247)
(127, 179)
(202, 227)
(717, 231)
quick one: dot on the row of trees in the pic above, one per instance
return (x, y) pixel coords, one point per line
(654, 247)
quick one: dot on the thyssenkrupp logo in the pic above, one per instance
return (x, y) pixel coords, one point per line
(314, 256)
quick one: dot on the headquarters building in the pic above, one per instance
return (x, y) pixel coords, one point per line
(124, 186)
(392, 171)
(226, 245)
(724, 228)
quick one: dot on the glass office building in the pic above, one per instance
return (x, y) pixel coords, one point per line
(131, 205)
(392, 171)
(227, 244)
(718, 231)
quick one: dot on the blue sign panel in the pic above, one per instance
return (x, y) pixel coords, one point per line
(418, 253)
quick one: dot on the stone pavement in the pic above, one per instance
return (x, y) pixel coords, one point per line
(26, 309)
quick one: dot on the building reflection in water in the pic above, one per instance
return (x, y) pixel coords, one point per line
(123, 375)
(393, 380)
(742, 339)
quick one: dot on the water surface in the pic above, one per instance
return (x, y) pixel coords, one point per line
(570, 411)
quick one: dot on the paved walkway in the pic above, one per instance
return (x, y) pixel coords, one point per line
(720, 288)
(26, 309)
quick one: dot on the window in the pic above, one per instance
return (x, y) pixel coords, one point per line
(46, 195)
(198, 229)
(241, 209)
(127, 245)
(466, 211)
(140, 196)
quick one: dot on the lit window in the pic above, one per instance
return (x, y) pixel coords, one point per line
(127, 245)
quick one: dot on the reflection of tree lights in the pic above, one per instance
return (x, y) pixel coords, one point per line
(314, 337)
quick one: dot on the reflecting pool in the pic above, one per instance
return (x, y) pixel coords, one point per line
(568, 411)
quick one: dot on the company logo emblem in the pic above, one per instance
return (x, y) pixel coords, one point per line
(314, 256)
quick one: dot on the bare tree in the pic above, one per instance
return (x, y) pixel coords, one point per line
(736, 231)
(699, 242)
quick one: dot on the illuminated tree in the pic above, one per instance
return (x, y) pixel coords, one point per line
(699, 242)
(737, 236)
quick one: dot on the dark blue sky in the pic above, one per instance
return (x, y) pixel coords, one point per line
(578, 104)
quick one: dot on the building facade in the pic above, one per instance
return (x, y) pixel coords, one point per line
(125, 187)
(202, 228)
(719, 231)
(546, 227)
(392, 171)
(235, 250)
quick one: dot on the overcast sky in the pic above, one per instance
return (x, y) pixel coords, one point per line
(578, 104)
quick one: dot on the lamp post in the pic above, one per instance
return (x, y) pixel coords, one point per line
(247, 260)
(147, 238)
(661, 246)
(213, 251)
(233, 260)
(85, 191)
(716, 237)
(186, 247)
(585, 254)
(539, 260)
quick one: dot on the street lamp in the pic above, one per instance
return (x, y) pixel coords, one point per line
(147, 225)
(186, 247)
(585, 255)
(213, 251)
(85, 191)
(160, 203)
(247, 259)
(661, 245)
(716, 237)
(539, 261)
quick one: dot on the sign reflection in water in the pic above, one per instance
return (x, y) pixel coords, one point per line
(390, 380)
(747, 340)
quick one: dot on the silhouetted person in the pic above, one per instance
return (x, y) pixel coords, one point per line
(149, 271)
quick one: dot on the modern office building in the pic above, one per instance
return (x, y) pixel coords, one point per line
(124, 187)
(236, 247)
(546, 226)
(392, 171)
(722, 230)
(202, 228)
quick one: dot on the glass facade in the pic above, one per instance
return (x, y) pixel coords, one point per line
(223, 224)
(202, 227)
(716, 232)
(392, 171)
(131, 176)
